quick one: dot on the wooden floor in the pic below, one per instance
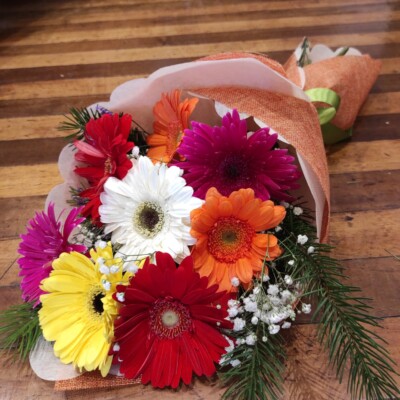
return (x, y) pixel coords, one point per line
(58, 54)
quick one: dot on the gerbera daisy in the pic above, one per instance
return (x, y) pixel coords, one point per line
(104, 151)
(228, 243)
(45, 240)
(169, 324)
(171, 118)
(229, 159)
(149, 210)
(78, 312)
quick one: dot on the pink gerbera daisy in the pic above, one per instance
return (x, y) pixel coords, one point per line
(44, 241)
(169, 324)
(229, 159)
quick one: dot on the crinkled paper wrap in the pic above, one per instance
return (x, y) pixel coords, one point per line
(351, 76)
(256, 86)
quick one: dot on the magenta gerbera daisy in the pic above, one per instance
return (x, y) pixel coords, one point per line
(229, 159)
(45, 240)
(169, 324)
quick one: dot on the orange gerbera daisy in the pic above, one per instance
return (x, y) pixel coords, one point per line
(228, 243)
(171, 119)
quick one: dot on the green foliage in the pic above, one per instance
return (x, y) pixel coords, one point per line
(20, 329)
(77, 120)
(344, 322)
(260, 372)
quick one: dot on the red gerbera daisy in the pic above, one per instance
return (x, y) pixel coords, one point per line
(169, 325)
(105, 152)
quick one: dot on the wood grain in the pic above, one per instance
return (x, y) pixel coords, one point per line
(54, 55)
(194, 50)
(188, 32)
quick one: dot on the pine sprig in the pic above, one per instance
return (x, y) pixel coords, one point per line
(260, 372)
(344, 322)
(19, 329)
(77, 120)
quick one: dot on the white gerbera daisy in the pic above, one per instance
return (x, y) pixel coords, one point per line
(149, 210)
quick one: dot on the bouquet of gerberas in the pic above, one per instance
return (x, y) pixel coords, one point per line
(183, 240)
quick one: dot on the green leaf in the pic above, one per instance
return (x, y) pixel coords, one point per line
(77, 120)
(20, 329)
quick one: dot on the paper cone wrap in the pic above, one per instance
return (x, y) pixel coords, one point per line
(351, 76)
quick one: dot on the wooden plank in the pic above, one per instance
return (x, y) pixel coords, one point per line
(376, 127)
(357, 191)
(144, 67)
(93, 86)
(87, 71)
(17, 212)
(308, 374)
(379, 155)
(19, 382)
(96, 13)
(8, 256)
(30, 127)
(67, 33)
(193, 50)
(390, 66)
(381, 103)
(18, 181)
(364, 273)
(386, 83)
(55, 105)
(62, 88)
(365, 234)
(36, 151)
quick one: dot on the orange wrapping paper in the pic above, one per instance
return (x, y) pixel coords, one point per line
(351, 77)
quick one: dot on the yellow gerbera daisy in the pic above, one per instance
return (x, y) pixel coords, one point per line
(78, 312)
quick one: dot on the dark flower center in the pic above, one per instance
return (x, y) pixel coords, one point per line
(169, 318)
(230, 239)
(149, 219)
(229, 236)
(233, 167)
(97, 304)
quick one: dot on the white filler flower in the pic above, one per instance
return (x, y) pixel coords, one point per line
(149, 210)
